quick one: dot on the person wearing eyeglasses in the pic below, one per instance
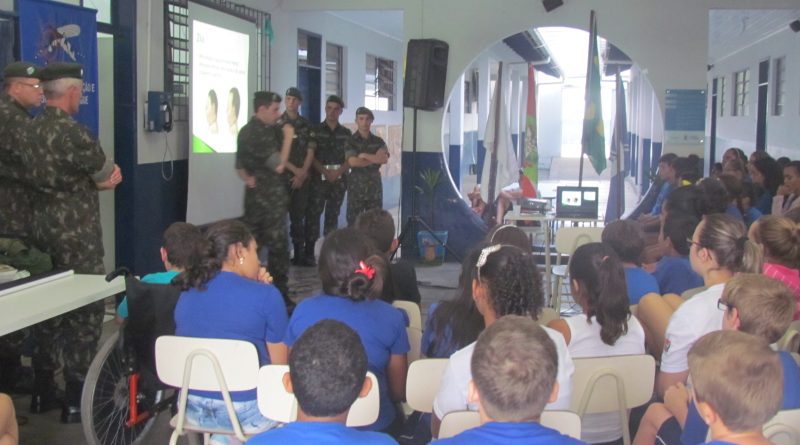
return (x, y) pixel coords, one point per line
(21, 93)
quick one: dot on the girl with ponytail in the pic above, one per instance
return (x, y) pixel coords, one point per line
(779, 237)
(606, 326)
(227, 295)
(351, 270)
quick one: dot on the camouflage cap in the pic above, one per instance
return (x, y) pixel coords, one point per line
(335, 99)
(22, 69)
(365, 110)
(59, 70)
(294, 92)
(267, 96)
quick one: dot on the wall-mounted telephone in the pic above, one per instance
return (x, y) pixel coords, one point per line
(159, 111)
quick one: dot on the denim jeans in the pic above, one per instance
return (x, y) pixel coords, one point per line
(211, 413)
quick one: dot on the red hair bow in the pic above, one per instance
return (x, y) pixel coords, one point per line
(366, 269)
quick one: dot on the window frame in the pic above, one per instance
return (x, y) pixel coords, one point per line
(380, 84)
(337, 72)
(741, 81)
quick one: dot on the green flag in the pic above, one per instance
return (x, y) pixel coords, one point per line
(268, 30)
(593, 142)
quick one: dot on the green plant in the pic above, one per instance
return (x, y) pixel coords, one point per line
(431, 180)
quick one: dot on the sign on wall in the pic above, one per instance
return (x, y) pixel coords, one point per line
(57, 32)
(685, 117)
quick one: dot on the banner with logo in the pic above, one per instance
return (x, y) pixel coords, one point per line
(57, 32)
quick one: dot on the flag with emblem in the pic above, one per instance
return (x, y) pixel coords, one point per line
(593, 142)
(530, 163)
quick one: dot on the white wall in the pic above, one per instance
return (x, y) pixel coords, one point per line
(783, 132)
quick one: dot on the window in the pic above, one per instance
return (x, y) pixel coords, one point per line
(309, 49)
(741, 80)
(721, 96)
(780, 86)
(379, 86)
(334, 59)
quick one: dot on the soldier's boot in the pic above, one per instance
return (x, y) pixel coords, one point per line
(297, 259)
(43, 397)
(71, 411)
(308, 257)
(9, 373)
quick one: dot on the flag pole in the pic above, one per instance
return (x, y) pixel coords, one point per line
(496, 142)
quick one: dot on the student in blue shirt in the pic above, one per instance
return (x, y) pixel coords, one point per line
(327, 369)
(626, 239)
(673, 272)
(178, 250)
(351, 270)
(514, 369)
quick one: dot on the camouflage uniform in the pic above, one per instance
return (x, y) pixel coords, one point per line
(265, 205)
(15, 206)
(365, 190)
(327, 196)
(66, 162)
(304, 140)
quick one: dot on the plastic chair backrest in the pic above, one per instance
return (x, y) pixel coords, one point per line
(565, 422)
(784, 428)
(615, 383)
(791, 339)
(570, 238)
(413, 312)
(423, 381)
(276, 403)
(415, 341)
(548, 314)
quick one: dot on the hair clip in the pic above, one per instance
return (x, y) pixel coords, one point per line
(366, 270)
(485, 252)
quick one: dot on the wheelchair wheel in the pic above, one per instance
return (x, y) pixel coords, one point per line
(105, 399)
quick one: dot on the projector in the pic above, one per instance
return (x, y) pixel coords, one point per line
(530, 205)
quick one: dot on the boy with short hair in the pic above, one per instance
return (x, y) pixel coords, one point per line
(737, 384)
(327, 373)
(179, 249)
(400, 282)
(673, 271)
(514, 369)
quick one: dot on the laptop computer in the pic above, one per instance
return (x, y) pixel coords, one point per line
(576, 202)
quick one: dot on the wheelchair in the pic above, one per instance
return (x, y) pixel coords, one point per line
(122, 395)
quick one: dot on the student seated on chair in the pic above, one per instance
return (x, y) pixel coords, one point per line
(514, 370)
(351, 271)
(736, 384)
(401, 278)
(327, 373)
(754, 304)
(625, 237)
(178, 250)
(606, 326)
(227, 295)
(779, 237)
(673, 272)
(506, 283)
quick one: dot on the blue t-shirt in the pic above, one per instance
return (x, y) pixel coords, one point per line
(443, 347)
(734, 211)
(237, 308)
(662, 195)
(674, 275)
(751, 216)
(695, 430)
(764, 203)
(155, 278)
(316, 433)
(640, 283)
(380, 326)
(528, 433)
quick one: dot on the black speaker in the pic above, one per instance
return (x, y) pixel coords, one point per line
(550, 5)
(426, 70)
(795, 25)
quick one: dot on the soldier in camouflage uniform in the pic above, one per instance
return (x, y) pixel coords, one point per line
(262, 154)
(21, 92)
(365, 154)
(67, 168)
(329, 181)
(299, 167)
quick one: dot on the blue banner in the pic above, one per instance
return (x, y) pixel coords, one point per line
(57, 32)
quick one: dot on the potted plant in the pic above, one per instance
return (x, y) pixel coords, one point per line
(431, 250)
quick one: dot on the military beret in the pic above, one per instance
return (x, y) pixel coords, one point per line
(365, 110)
(21, 69)
(335, 99)
(294, 92)
(59, 70)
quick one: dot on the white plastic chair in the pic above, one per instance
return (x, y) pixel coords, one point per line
(791, 339)
(276, 403)
(784, 428)
(206, 364)
(415, 341)
(615, 383)
(548, 314)
(413, 312)
(423, 381)
(567, 240)
(565, 422)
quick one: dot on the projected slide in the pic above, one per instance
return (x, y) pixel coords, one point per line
(219, 87)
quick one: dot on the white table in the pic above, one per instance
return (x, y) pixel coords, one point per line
(30, 306)
(547, 221)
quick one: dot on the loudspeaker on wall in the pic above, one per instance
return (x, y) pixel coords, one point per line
(426, 71)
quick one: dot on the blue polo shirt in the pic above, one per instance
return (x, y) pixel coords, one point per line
(510, 433)
(316, 433)
(640, 283)
(675, 275)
